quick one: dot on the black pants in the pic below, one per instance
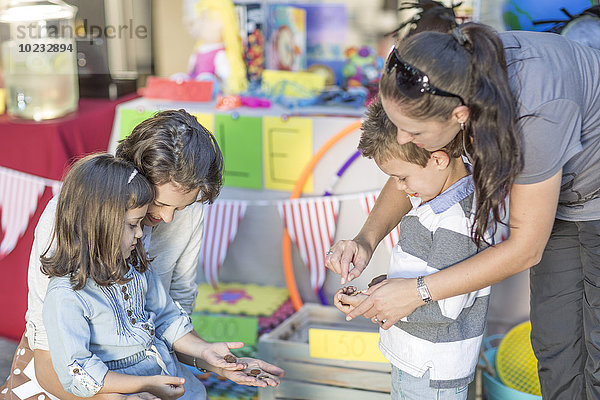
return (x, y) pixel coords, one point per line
(565, 312)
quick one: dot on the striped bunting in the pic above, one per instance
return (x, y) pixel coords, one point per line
(19, 196)
(311, 224)
(367, 201)
(221, 220)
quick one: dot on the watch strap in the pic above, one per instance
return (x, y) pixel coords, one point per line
(423, 290)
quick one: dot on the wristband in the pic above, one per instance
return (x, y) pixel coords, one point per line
(423, 290)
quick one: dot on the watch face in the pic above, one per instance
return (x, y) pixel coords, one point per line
(422, 289)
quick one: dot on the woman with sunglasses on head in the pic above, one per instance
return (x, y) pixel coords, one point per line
(528, 108)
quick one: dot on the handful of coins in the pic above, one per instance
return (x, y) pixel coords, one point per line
(253, 371)
(230, 359)
(353, 290)
(350, 291)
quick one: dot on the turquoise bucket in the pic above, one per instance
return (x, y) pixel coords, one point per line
(496, 390)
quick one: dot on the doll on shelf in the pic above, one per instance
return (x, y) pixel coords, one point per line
(218, 52)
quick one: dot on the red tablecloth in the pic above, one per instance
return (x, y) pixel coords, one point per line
(44, 149)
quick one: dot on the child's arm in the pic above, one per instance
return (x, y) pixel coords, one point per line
(183, 287)
(48, 379)
(163, 386)
(174, 325)
(65, 316)
(80, 371)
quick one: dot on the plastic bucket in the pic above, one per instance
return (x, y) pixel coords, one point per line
(495, 390)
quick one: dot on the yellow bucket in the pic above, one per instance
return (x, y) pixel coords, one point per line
(515, 362)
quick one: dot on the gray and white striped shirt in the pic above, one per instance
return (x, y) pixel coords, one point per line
(444, 336)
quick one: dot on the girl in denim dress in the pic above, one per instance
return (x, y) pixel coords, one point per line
(112, 327)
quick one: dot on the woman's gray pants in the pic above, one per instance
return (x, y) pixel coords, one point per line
(565, 312)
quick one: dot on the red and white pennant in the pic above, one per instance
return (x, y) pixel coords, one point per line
(367, 201)
(19, 196)
(221, 220)
(311, 224)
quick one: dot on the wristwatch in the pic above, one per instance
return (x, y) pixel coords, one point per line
(423, 290)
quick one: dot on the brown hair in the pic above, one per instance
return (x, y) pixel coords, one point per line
(475, 70)
(378, 140)
(173, 147)
(89, 221)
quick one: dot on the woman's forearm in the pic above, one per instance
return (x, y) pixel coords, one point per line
(390, 207)
(532, 214)
(483, 269)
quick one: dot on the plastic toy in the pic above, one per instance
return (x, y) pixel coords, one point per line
(228, 102)
(363, 67)
(218, 53)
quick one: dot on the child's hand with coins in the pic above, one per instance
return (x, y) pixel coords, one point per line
(257, 373)
(349, 297)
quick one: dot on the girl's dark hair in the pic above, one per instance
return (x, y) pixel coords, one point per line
(475, 70)
(89, 221)
(172, 146)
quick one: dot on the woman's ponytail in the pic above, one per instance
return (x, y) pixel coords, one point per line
(491, 137)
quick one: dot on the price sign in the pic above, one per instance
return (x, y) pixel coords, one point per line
(345, 345)
(225, 328)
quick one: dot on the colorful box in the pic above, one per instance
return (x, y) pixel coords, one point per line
(251, 18)
(286, 42)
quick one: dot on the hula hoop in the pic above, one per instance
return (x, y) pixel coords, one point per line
(329, 192)
(286, 247)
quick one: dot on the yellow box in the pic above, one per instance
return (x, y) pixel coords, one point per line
(292, 84)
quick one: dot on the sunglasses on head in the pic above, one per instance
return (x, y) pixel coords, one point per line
(412, 82)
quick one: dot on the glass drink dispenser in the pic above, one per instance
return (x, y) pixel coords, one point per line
(37, 42)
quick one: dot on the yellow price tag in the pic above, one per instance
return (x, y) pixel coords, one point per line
(345, 345)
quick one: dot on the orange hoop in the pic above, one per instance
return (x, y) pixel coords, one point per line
(286, 247)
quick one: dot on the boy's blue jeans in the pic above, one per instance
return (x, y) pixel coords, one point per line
(407, 387)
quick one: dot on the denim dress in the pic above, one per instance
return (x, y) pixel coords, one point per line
(127, 328)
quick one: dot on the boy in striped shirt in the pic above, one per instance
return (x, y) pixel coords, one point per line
(434, 350)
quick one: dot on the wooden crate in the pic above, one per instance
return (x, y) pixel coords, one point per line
(318, 378)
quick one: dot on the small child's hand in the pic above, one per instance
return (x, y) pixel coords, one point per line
(347, 298)
(166, 387)
(258, 373)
